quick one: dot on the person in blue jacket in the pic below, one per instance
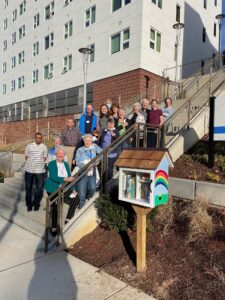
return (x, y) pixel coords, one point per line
(88, 121)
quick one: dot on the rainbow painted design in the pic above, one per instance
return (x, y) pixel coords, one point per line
(161, 178)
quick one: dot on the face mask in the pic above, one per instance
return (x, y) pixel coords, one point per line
(109, 105)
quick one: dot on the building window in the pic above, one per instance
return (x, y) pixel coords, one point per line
(68, 29)
(22, 7)
(67, 2)
(13, 85)
(215, 2)
(214, 29)
(21, 82)
(35, 49)
(4, 67)
(49, 40)
(35, 76)
(203, 34)
(117, 4)
(13, 38)
(178, 8)
(158, 3)
(67, 63)
(6, 3)
(5, 23)
(36, 20)
(90, 16)
(21, 57)
(4, 45)
(14, 15)
(92, 55)
(49, 11)
(4, 89)
(155, 40)
(205, 4)
(13, 62)
(48, 71)
(21, 32)
(120, 41)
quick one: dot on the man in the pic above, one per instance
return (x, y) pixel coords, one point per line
(155, 119)
(70, 137)
(145, 108)
(88, 121)
(87, 184)
(35, 155)
(168, 110)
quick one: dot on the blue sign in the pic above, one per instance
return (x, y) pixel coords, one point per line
(219, 118)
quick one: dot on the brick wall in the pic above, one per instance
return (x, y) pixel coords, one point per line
(126, 86)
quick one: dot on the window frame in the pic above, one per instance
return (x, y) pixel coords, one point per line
(35, 49)
(22, 7)
(50, 39)
(20, 82)
(90, 20)
(154, 41)
(67, 63)
(50, 14)
(21, 57)
(50, 70)
(35, 76)
(36, 20)
(122, 42)
(13, 38)
(68, 29)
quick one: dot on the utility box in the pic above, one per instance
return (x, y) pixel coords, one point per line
(143, 176)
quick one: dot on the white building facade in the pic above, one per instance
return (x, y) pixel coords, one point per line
(41, 68)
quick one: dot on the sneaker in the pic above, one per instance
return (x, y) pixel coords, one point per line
(73, 195)
(53, 232)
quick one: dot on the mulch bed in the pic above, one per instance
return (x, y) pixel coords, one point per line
(175, 269)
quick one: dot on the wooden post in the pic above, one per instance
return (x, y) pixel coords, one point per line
(141, 213)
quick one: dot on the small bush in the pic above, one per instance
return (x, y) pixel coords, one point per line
(212, 177)
(114, 214)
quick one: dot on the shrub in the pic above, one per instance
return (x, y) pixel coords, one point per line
(114, 214)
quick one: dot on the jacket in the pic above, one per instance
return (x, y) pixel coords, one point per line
(106, 140)
(54, 181)
(84, 154)
(83, 120)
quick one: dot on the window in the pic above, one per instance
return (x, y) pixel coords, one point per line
(49, 40)
(215, 2)
(13, 85)
(214, 29)
(21, 57)
(205, 3)
(117, 4)
(178, 13)
(67, 63)
(4, 89)
(49, 11)
(48, 71)
(21, 32)
(6, 3)
(22, 7)
(90, 16)
(5, 23)
(35, 76)
(13, 62)
(67, 2)
(13, 38)
(21, 82)
(120, 41)
(4, 67)
(203, 34)
(155, 40)
(14, 15)
(4, 45)
(68, 29)
(92, 55)
(158, 3)
(36, 20)
(35, 48)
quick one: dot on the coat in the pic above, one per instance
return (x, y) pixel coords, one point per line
(83, 120)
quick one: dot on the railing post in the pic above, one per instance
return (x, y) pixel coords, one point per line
(138, 135)
(210, 81)
(189, 113)
(104, 171)
(47, 224)
(58, 203)
(145, 136)
(158, 137)
(10, 163)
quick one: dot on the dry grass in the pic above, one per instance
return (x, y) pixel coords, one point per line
(165, 216)
(201, 225)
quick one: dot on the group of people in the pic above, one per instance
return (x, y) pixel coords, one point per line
(77, 146)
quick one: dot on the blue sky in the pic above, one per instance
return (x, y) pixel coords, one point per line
(223, 30)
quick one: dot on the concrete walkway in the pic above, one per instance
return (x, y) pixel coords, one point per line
(27, 273)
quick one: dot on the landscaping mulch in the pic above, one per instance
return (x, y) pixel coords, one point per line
(175, 269)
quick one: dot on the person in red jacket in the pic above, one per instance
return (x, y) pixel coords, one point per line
(155, 119)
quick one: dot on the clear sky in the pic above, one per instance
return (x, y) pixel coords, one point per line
(223, 29)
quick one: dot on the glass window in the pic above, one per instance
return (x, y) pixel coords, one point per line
(120, 41)
(68, 29)
(115, 43)
(13, 38)
(13, 85)
(4, 89)
(49, 11)
(14, 15)
(49, 41)
(5, 23)
(155, 40)
(36, 20)
(4, 45)
(158, 3)
(178, 13)
(21, 57)
(205, 4)
(48, 71)
(4, 67)
(21, 82)
(92, 55)
(13, 62)
(126, 38)
(21, 32)
(35, 76)
(35, 49)
(67, 63)
(22, 7)
(116, 4)
(203, 34)
(215, 2)
(90, 16)
(214, 29)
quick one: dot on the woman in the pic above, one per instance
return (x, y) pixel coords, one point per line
(122, 123)
(155, 119)
(137, 118)
(103, 117)
(58, 173)
(114, 111)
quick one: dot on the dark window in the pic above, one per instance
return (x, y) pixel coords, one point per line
(214, 29)
(116, 4)
(177, 13)
(203, 35)
(205, 4)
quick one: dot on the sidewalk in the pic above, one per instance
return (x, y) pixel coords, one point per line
(27, 273)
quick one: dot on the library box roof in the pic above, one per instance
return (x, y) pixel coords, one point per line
(148, 158)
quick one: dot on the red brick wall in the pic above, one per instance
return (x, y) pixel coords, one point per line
(126, 86)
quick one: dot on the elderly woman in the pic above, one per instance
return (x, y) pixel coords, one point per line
(51, 151)
(87, 184)
(136, 118)
(59, 172)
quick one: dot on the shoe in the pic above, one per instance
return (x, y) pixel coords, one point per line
(66, 221)
(73, 195)
(36, 208)
(29, 208)
(53, 232)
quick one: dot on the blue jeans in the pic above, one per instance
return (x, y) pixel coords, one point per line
(86, 187)
(29, 181)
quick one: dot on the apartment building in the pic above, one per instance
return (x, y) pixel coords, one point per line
(133, 42)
